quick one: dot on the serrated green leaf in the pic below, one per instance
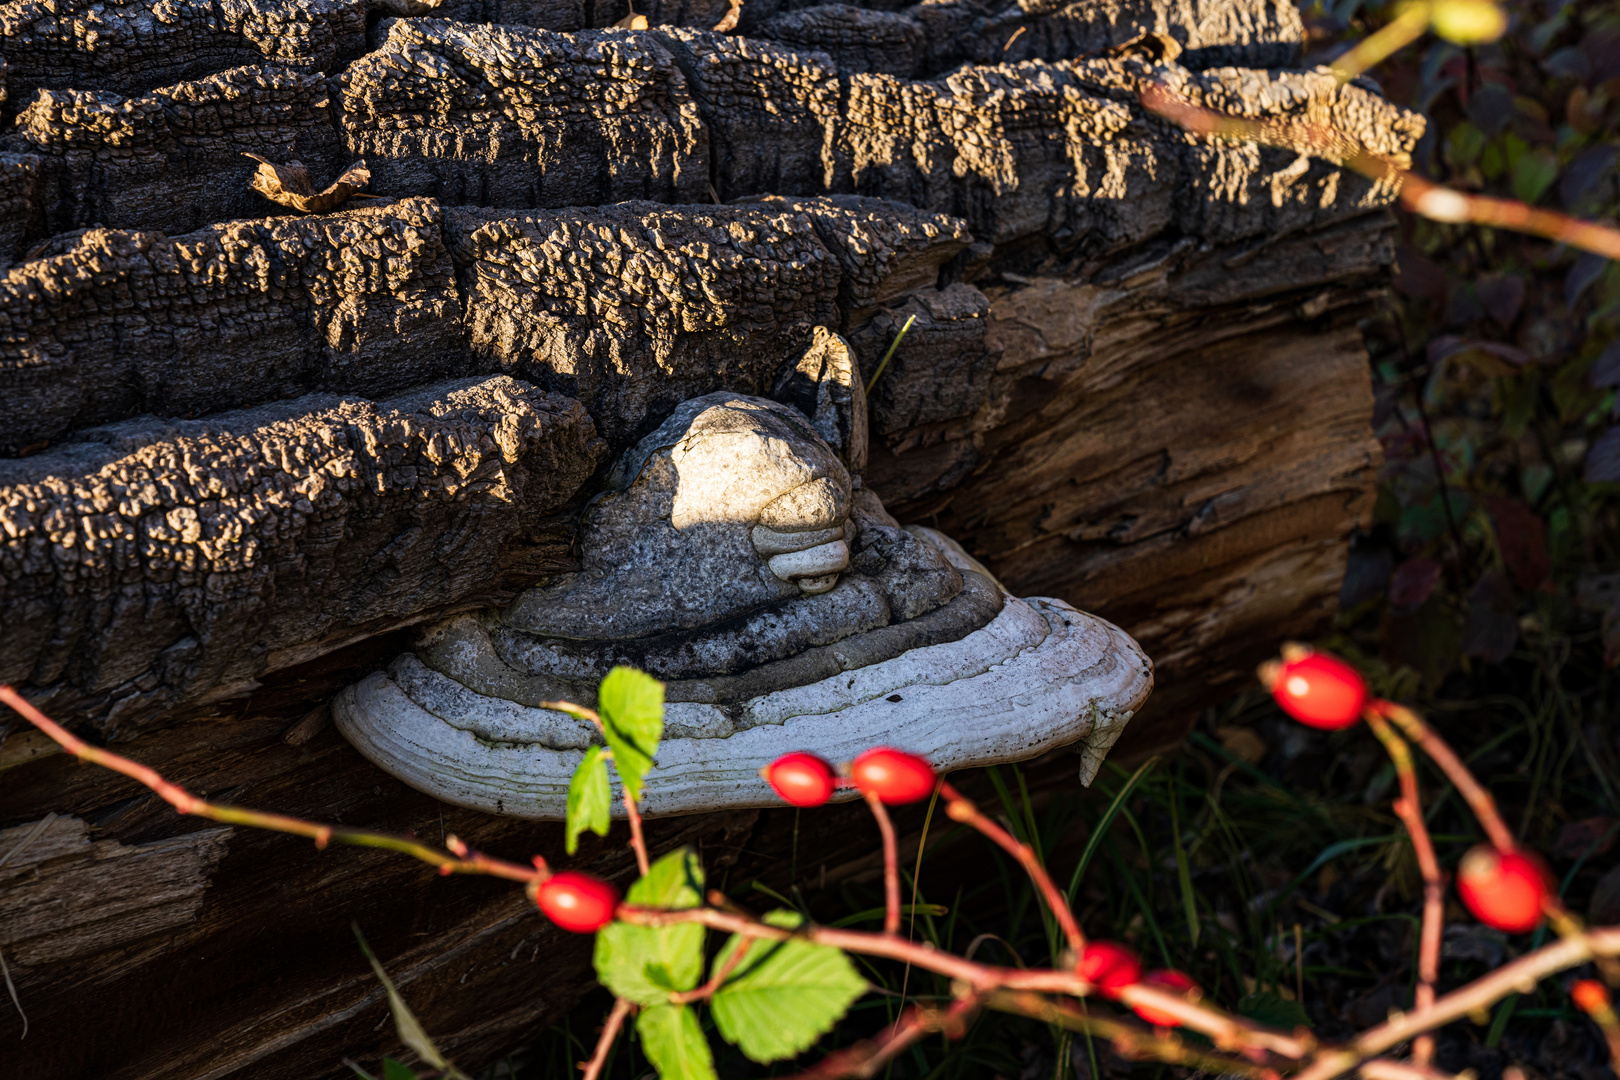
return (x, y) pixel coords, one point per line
(647, 963)
(408, 1027)
(631, 704)
(783, 995)
(1273, 1010)
(674, 1043)
(394, 1070)
(590, 799)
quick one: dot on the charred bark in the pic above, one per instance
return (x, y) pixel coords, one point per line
(243, 449)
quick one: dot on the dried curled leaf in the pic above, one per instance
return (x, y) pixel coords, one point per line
(289, 185)
(632, 21)
(728, 21)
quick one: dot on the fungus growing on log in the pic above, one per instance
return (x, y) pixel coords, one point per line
(737, 555)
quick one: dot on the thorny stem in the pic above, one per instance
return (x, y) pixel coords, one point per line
(638, 843)
(464, 861)
(1519, 976)
(1222, 1029)
(1132, 1042)
(622, 1008)
(978, 981)
(963, 810)
(866, 1057)
(1480, 801)
(891, 865)
(1422, 197)
(1409, 808)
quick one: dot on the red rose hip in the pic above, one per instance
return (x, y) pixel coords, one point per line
(800, 779)
(1171, 982)
(1505, 891)
(578, 902)
(1109, 967)
(894, 776)
(1591, 995)
(1320, 691)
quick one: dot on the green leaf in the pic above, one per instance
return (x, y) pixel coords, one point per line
(632, 706)
(394, 1070)
(590, 799)
(1533, 174)
(783, 995)
(405, 1022)
(1273, 1010)
(674, 1043)
(648, 963)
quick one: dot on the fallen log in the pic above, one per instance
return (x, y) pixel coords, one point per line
(1132, 381)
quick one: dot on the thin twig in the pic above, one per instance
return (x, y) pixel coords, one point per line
(186, 803)
(5, 972)
(638, 843)
(1409, 808)
(1423, 197)
(867, 1056)
(1519, 976)
(1133, 1042)
(622, 1007)
(708, 989)
(963, 810)
(1480, 801)
(891, 865)
(1565, 922)
(1222, 1029)
(11, 988)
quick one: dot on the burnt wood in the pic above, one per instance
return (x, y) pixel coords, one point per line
(242, 451)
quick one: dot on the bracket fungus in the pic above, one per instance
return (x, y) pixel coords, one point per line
(735, 554)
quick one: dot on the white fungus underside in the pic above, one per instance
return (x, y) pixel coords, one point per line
(1041, 675)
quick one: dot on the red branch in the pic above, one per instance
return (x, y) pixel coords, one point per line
(1012, 988)
(891, 865)
(638, 842)
(1409, 808)
(622, 1008)
(866, 1057)
(461, 862)
(963, 810)
(1423, 197)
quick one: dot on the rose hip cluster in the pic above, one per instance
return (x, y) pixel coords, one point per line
(1507, 890)
(1111, 968)
(893, 776)
(585, 904)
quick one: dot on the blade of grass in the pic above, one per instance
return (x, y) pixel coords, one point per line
(1143, 908)
(1101, 828)
(1189, 902)
(893, 345)
(1329, 853)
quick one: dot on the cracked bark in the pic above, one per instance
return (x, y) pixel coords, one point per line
(243, 448)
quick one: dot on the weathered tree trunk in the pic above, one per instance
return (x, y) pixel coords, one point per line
(242, 452)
